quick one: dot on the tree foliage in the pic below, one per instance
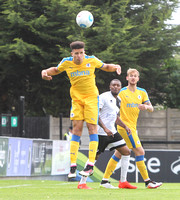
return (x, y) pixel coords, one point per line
(36, 35)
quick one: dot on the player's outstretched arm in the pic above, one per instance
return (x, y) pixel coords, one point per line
(48, 73)
(112, 68)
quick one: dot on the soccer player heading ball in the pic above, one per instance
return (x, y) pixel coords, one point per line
(80, 69)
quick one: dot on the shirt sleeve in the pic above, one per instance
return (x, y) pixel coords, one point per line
(62, 65)
(98, 63)
(145, 97)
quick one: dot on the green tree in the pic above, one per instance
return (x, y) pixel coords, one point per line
(32, 34)
(171, 87)
(36, 35)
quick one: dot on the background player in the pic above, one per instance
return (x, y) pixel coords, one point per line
(134, 99)
(109, 138)
(68, 134)
(80, 69)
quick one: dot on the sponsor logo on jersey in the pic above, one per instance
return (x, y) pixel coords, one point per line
(80, 73)
(132, 105)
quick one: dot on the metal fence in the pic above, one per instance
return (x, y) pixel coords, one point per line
(37, 127)
(5, 128)
(32, 127)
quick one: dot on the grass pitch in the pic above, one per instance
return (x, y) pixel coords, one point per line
(57, 190)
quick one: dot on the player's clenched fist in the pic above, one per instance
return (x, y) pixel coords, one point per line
(45, 75)
(118, 69)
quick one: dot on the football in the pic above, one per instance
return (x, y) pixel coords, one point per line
(84, 19)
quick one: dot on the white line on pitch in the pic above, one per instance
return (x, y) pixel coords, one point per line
(12, 186)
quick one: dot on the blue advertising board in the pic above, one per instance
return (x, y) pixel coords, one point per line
(19, 157)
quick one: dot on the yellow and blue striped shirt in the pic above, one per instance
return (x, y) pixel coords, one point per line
(82, 77)
(129, 110)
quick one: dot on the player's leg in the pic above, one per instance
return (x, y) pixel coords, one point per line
(125, 156)
(101, 147)
(77, 117)
(74, 146)
(113, 143)
(108, 172)
(91, 108)
(139, 153)
(93, 145)
(133, 142)
(119, 144)
(82, 183)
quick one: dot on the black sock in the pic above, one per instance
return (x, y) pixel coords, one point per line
(103, 182)
(147, 182)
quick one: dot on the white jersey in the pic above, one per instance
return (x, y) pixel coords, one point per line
(108, 112)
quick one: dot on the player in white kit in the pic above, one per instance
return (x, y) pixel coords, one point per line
(109, 138)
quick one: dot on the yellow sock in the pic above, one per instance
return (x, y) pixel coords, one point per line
(111, 166)
(93, 145)
(74, 147)
(142, 167)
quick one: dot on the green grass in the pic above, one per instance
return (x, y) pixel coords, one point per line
(57, 190)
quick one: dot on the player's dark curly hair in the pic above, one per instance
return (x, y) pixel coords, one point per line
(77, 45)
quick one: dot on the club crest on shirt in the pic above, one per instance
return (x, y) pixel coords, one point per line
(139, 96)
(88, 65)
(72, 114)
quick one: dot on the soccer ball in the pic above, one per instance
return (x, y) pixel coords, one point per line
(84, 19)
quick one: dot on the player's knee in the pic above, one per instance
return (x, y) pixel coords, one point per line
(125, 151)
(77, 130)
(92, 128)
(139, 151)
(142, 152)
